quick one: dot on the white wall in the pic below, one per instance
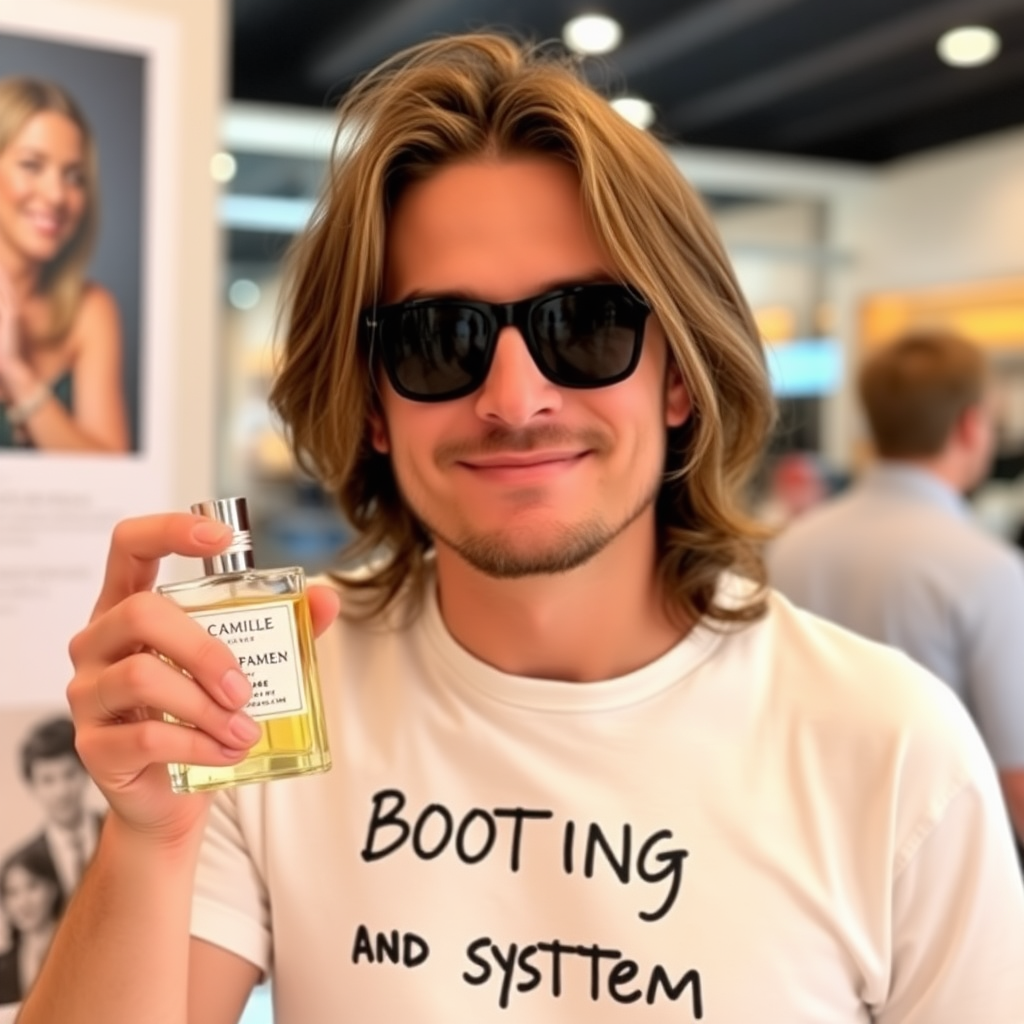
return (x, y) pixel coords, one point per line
(795, 185)
(947, 216)
(774, 249)
(951, 215)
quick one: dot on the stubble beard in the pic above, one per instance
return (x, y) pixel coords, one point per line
(497, 553)
(515, 552)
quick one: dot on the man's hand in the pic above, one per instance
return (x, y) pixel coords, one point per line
(121, 688)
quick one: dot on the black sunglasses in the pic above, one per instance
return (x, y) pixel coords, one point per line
(580, 336)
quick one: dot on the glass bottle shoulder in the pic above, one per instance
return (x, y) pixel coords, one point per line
(243, 587)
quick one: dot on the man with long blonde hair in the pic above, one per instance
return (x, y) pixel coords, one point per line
(586, 766)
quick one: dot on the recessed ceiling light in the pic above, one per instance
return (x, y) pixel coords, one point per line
(592, 33)
(968, 46)
(223, 167)
(635, 110)
(244, 294)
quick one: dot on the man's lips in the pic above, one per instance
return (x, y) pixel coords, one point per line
(522, 460)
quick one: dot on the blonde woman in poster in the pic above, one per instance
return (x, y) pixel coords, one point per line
(60, 334)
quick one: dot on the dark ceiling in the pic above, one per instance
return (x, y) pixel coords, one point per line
(850, 79)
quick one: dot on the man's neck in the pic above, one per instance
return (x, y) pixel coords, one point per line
(599, 621)
(943, 468)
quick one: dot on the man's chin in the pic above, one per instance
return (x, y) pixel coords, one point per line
(503, 557)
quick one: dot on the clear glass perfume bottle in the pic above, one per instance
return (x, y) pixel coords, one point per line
(263, 614)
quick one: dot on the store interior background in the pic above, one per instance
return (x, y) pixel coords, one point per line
(906, 209)
(861, 185)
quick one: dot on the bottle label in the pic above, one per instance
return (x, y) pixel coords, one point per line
(264, 639)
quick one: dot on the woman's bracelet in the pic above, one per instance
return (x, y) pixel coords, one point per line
(19, 412)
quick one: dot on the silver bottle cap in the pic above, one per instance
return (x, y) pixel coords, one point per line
(237, 556)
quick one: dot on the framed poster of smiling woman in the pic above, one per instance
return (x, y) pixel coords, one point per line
(72, 136)
(89, 96)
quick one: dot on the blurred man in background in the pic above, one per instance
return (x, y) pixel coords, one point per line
(898, 559)
(797, 482)
(54, 773)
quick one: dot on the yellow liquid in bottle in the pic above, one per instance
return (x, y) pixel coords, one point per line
(291, 744)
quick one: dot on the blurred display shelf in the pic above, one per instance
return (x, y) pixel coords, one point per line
(990, 313)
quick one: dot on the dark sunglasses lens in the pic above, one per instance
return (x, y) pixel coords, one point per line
(589, 336)
(440, 349)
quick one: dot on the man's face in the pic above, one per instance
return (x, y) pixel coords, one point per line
(521, 476)
(982, 436)
(986, 445)
(59, 784)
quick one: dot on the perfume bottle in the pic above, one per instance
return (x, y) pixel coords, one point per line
(263, 614)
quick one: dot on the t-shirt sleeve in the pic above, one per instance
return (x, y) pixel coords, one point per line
(995, 669)
(958, 918)
(230, 906)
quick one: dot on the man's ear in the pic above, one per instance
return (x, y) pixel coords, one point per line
(677, 396)
(968, 425)
(379, 432)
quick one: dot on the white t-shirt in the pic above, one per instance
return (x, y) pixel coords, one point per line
(779, 824)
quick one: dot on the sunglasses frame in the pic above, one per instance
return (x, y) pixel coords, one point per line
(498, 316)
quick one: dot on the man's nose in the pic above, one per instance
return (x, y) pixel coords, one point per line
(515, 390)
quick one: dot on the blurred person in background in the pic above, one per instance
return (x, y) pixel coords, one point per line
(898, 557)
(586, 766)
(796, 483)
(60, 334)
(31, 903)
(54, 774)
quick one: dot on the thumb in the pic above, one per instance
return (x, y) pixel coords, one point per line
(324, 607)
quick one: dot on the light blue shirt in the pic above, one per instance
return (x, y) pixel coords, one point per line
(898, 559)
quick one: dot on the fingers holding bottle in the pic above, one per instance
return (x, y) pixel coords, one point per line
(143, 687)
(160, 697)
(138, 544)
(324, 607)
(122, 691)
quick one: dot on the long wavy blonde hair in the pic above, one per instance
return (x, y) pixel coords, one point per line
(467, 96)
(62, 281)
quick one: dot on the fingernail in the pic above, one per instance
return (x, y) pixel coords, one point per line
(244, 729)
(210, 532)
(235, 687)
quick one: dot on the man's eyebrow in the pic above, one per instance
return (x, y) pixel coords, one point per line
(470, 295)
